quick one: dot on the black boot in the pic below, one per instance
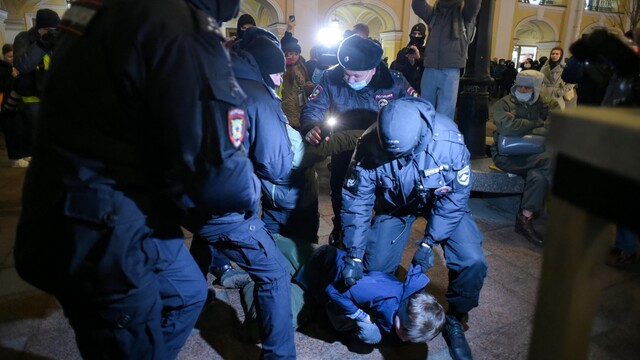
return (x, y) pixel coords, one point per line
(231, 278)
(524, 227)
(454, 336)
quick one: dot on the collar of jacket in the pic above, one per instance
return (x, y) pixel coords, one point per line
(381, 80)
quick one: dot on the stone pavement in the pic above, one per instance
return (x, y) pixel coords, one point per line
(32, 325)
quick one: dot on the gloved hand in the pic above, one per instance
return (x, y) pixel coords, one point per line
(352, 271)
(368, 332)
(423, 257)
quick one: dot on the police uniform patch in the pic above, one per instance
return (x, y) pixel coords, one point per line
(442, 190)
(383, 99)
(412, 92)
(351, 181)
(464, 175)
(317, 91)
(237, 126)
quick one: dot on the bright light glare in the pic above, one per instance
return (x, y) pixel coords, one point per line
(330, 35)
(331, 121)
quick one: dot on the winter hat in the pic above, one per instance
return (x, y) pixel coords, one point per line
(265, 49)
(420, 27)
(46, 18)
(291, 45)
(402, 126)
(359, 54)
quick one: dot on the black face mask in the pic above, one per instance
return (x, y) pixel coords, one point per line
(417, 40)
(221, 10)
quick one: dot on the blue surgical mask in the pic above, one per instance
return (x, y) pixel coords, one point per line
(523, 97)
(358, 85)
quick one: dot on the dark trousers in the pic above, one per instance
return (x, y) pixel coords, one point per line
(130, 289)
(18, 132)
(248, 244)
(388, 236)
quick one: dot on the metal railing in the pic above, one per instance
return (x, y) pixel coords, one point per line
(603, 5)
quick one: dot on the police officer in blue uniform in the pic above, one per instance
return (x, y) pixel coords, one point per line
(413, 162)
(266, 138)
(131, 120)
(359, 84)
(241, 235)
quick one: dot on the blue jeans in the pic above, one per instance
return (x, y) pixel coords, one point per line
(440, 88)
(386, 240)
(249, 245)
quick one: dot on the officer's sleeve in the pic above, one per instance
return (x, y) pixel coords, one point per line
(506, 122)
(358, 198)
(193, 114)
(314, 110)
(26, 56)
(451, 202)
(270, 146)
(422, 9)
(339, 142)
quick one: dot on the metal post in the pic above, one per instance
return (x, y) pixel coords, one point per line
(473, 101)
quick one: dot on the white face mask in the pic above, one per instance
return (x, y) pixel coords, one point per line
(360, 84)
(523, 97)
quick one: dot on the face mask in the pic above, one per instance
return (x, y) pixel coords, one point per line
(527, 65)
(417, 40)
(523, 97)
(360, 84)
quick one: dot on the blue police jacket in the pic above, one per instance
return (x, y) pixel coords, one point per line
(333, 96)
(434, 182)
(378, 294)
(266, 137)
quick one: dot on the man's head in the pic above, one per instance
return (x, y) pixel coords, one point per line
(402, 125)
(556, 54)
(264, 46)
(527, 86)
(362, 30)
(420, 318)
(359, 57)
(245, 21)
(46, 20)
(417, 34)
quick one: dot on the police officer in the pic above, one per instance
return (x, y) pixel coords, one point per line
(360, 83)
(266, 136)
(241, 236)
(413, 162)
(130, 121)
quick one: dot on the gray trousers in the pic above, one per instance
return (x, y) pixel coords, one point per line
(536, 171)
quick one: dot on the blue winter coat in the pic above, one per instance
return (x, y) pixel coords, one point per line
(378, 294)
(266, 138)
(333, 96)
(434, 183)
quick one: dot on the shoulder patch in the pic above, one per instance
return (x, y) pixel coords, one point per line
(237, 126)
(316, 91)
(411, 91)
(464, 175)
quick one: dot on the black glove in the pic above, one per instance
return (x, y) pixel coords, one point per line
(423, 257)
(352, 271)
